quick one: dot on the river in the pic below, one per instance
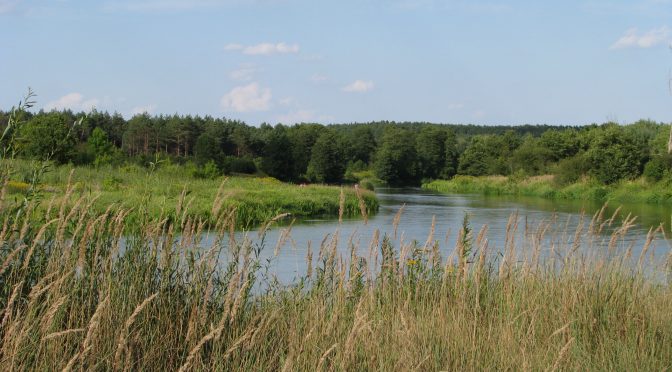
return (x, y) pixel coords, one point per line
(560, 219)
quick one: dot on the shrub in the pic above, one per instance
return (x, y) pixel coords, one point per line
(569, 170)
(208, 171)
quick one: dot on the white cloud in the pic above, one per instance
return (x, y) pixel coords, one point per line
(138, 110)
(72, 101)
(359, 86)
(244, 73)
(633, 39)
(264, 48)
(455, 106)
(246, 98)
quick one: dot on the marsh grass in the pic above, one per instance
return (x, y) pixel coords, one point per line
(624, 191)
(82, 289)
(151, 193)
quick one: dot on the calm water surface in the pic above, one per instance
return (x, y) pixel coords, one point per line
(561, 219)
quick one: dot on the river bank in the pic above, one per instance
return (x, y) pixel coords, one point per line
(167, 190)
(626, 191)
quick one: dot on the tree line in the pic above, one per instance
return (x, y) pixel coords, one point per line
(396, 153)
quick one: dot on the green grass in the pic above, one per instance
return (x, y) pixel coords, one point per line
(627, 191)
(71, 298)
(156, 193)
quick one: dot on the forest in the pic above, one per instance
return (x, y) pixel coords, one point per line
(391, 153)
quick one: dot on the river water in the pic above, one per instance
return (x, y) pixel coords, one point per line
(559, 220)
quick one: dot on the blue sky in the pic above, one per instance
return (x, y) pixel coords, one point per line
(449, 61)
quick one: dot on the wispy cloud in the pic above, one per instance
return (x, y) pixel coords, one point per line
(455, 106)
(359, 86)
(72, 101)
(247, 98)
(244, 73)
(634, 39)
(146, 109)
(264, 48)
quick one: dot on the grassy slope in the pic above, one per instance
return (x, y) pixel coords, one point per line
(635, 191)
(157, 193)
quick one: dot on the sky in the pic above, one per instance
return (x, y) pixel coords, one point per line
(567, 62)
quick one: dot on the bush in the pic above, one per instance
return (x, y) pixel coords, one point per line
(654, 170)
(569, 170)
(208, 171)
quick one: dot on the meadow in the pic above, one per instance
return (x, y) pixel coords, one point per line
(85, 289)
(154, 192)
(624, 191)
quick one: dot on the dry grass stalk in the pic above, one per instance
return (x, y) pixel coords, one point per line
(122, 343)
(36, 240)
(48, 319)
(341, 205)
(10, 304)
(309, 261)
(268, 224)
(562, 354)
(362, 204)
(397, 219)
(92, 329)
(10, 258)
(282, 239)
(324, 356)
(62, 333)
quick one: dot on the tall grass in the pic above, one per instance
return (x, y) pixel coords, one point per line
(81, 289)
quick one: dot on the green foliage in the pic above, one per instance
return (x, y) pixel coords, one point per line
(360, 145)
(610, 152)
(396, 159)
(452, 155)
(206, 149)
(101, 148)
(531, 157)
(616, 154)
(208, 171)
(570, 170)
(277, 161)
(559, 145)
(47, 137)
(326, 161)
(302, 138)
(431, 150)
(477, 158)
